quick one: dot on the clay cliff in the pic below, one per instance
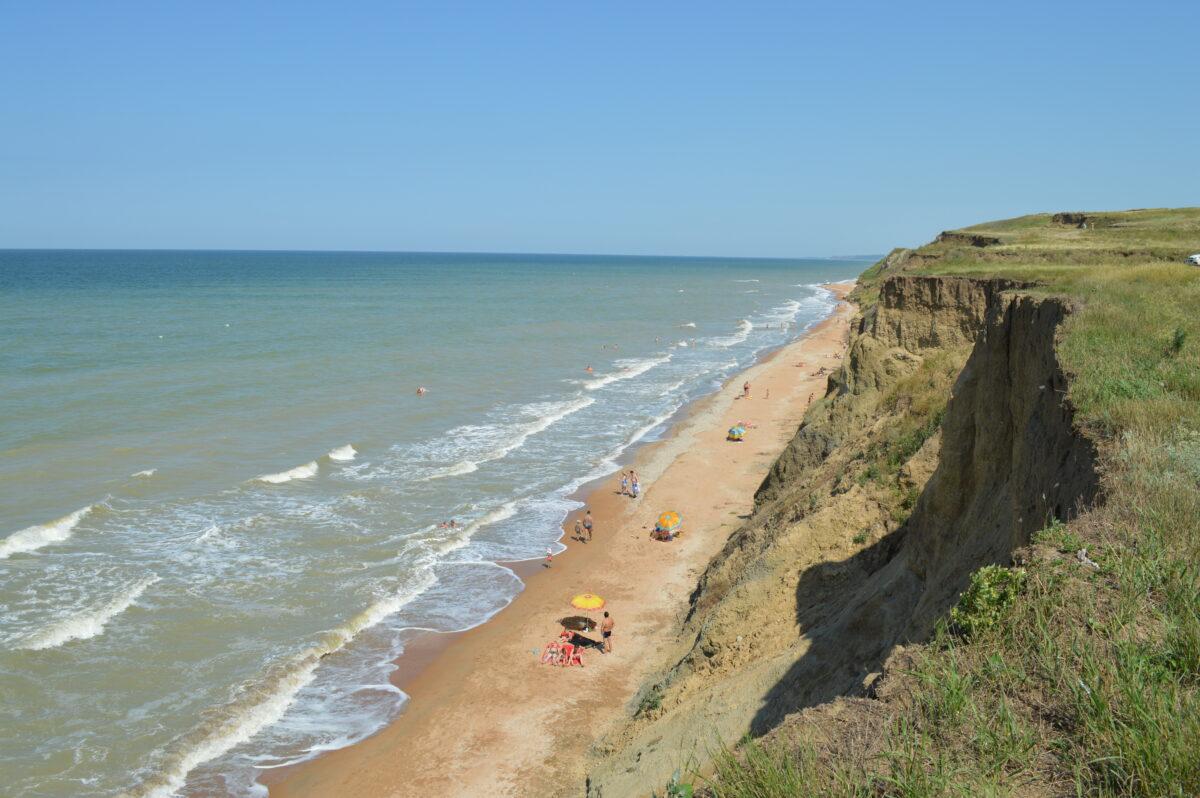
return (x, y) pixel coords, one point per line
(944, 440)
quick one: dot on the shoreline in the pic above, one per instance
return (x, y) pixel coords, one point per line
(483, 714)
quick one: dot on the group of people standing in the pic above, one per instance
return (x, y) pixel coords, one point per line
(630, 484)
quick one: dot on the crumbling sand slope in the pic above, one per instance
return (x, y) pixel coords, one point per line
(943, 442)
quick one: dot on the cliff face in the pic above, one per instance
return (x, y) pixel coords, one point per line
(869, 524)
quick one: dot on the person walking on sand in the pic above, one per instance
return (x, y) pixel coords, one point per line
(635, 484)
(587, 524)
(549, 558)
(579, 530)
(746, 389)
(624, 483)
(606, 630)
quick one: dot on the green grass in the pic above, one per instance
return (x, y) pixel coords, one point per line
(1069, 679)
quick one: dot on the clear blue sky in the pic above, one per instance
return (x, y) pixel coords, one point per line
(742, 128)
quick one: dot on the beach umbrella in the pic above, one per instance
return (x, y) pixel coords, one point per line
(587, 601)
(736, 433)
(669, 521)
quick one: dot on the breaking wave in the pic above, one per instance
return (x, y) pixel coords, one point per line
(299, 472)
(724, 342)
(551, 413)
(89, 623)
(629, 370)
(35, 537)
(343, 454)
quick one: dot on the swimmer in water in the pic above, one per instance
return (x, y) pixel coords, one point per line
(420, 390)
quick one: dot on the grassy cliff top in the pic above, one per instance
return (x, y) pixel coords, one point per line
(1134, 346)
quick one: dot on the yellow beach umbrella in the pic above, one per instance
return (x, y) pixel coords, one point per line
(587, 601)
(669, 520)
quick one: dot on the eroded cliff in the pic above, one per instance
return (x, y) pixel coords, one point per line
(944, 440)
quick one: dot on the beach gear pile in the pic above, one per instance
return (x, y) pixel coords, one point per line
(736, 433)
(667, 526)
(565, 652)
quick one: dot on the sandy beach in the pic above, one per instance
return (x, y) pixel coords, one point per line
(485, 717)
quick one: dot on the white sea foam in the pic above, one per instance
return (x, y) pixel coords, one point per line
(689, 324)
(464, 533)
(343, 454)
(724, 342)
(458, 469)
(629, 370)
(35, 537)
(299, 472)
(89, 622)
(262, 703)
(212, 531)
(546, 414)
(149, 472)
(746, 281)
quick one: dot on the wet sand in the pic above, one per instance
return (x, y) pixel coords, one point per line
(485, 716)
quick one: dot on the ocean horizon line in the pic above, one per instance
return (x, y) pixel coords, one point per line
(470, 253)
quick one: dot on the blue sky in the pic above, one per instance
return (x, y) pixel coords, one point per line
(745, 128)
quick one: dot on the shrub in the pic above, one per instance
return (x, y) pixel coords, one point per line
(993, 590)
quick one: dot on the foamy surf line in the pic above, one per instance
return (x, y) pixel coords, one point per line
(262, 703)
(89, 623)
(522, 433)
(629, 370)
(35, 537)
(744, 329)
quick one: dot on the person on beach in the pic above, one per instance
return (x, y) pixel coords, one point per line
(635, 485)
(579, 530)
(746, 389)
(810, 398)
(587, 524)
(549, 558)
(624, 484)
(606, 630)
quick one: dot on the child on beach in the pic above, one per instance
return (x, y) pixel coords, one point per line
(635, 485)
(624, 483)
(549, 558)
(579, 530)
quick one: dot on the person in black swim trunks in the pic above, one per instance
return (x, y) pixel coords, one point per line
(606, 629)
(587, 524)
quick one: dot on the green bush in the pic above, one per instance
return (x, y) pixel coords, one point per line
(993, 590)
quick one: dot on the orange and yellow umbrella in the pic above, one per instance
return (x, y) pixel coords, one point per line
(587, 601)
(669, 521)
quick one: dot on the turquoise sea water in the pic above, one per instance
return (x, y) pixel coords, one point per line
(220, 496)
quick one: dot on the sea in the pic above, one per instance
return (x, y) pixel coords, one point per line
(222, 500)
